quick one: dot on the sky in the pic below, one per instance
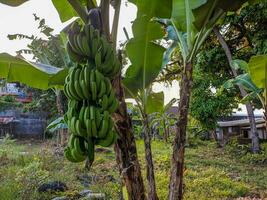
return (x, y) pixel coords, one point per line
(21, 20)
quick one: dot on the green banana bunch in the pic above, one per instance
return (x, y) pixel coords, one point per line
(87, 44)
(91, 99)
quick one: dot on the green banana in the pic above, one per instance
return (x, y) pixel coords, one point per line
(68, 155)
(108, 86)
(73, 55)
(108, 140)
(81, 114)
(71, 141)
(98, 79)
(92, 112)
(85, 90)
(78, 146)
(113, 107)
(93, 90)
(78, 90)
(72, 125)
(111, 98)
(79, 129)
(102, 89)
(104, 126)
(104, 102)
(78, 157)
(73, 92)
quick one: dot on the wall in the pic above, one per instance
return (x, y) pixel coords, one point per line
(26, 125)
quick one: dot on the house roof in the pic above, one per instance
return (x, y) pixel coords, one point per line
(239, 123)
(6, 120)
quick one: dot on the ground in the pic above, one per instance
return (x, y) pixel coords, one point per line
(211, 173)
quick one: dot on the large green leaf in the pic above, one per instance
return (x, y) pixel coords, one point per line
(35, 75)
(155, 102)
(64, 10)
(206, 13)
(155, 8)
(243, 80)
(258, 70)
(144, 54)
(13, 2)
(182, 15)
(57, 124)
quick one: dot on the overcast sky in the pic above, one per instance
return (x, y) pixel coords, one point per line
(20, 20)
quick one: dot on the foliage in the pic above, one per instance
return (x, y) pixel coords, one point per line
(163, 119)
(209, 173)
(45, 76)
(207, 104)
(57, 124)
(42, 101)
(143, 51)
(8, 102)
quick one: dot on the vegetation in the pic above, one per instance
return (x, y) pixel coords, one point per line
(171, 41)
(210, 173)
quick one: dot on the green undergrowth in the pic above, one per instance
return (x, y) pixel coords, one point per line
(210, 172)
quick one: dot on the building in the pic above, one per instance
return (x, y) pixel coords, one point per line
(16, 90)
(239, 126)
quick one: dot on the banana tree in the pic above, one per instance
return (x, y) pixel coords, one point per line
(146, 54)
(193, 21)
(125, 147)
(163, 118)
(254, 80)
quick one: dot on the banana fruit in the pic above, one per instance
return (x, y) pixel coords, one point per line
(91, 98)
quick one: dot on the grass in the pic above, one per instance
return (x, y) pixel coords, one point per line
(210, 173)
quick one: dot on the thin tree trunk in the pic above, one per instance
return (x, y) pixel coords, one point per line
(177, 166)
(62, 133)
(152, 191)
(165, 134)
(253, 128)
(125, 148)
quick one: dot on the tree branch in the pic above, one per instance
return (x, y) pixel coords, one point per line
(81, 11)
(115, 23)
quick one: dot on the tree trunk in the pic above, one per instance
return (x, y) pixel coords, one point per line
(177, 166)
(62, 133)
(254, 134)
(125, 148)
(165, 133)
(152, 192)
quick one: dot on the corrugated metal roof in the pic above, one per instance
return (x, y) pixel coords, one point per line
(242, 122)
(6, 120)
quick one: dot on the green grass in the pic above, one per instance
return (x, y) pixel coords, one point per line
(210, 173)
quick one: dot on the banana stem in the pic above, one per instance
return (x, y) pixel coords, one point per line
(115, 23)
(105, 17)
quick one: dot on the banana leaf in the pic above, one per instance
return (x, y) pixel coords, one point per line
(36, 75)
